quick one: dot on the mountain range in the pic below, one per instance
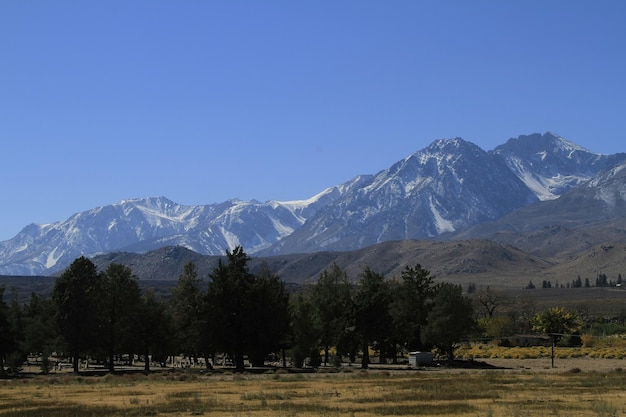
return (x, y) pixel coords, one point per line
(540, 194)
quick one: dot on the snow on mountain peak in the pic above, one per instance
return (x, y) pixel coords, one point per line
(147, 223)
(445, 187)
(547, 144)
(564, 144)
(447, 145)
(549, 164)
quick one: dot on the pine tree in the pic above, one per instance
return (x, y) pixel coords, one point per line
(154, 328)
(269, 315)
(450, 320)
(372, 300)
(410, 306)
(332, 300)
(40, 329)
(305, 329)
(189, 311)
(119, 303)
(7, 342)
(228, 304)
(76, 296)
(578, 283)
(249, 314)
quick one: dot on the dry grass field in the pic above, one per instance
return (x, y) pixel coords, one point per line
(429, 391)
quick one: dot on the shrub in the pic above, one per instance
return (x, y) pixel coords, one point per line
(570, 341)
(587, 340)
(45, 364)
(15, 361)
(608, 329)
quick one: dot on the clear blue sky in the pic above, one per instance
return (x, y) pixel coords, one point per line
(202, 101)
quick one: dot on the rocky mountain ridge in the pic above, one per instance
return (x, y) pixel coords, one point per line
(442, 191)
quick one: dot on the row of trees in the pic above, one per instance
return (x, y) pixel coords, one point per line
(102, 314)
(105, 314)
(409, 313)
(602, 280)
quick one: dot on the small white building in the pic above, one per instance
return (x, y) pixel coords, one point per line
(417, 358)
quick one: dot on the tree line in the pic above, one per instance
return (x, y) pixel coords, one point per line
(104, 314)
(235, 313)
(602, 280)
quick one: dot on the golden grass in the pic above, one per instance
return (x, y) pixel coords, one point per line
(363, 394)
(604, 350)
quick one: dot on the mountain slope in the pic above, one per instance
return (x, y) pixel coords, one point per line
(145, 224)
(551, 165)
(588, 215)
(450, 185)
(449, 261)
(437, 192)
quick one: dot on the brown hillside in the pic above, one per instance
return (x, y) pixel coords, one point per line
(459, 261)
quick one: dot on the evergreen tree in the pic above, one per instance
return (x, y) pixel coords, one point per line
(76, 296)
(190, 314)
(372, 300)
(450, 320)
(410, 306)
(15, 316)
(305, 329)
(332, 300)
(249, 313)
(119, 302)
(229, 305)
(154, 327)
(269, 316)
(40, 331)
(7, 341)
(578, 283)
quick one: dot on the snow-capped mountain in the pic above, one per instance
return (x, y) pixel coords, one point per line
(144, 224)
(591, 214)
(445, 188)
(450, 185)
(550, 165)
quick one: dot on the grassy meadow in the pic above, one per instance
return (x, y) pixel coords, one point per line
(439, 392)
